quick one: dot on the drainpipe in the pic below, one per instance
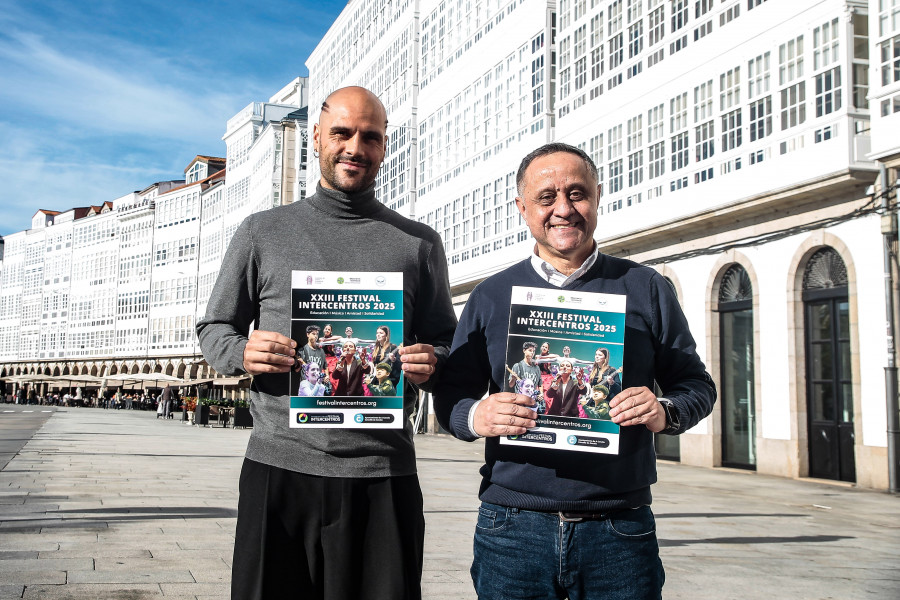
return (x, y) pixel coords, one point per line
(889, 232)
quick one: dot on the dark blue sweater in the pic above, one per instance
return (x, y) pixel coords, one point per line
(658, 346)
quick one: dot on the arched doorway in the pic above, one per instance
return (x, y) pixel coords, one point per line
(829, 384)
(737, 395)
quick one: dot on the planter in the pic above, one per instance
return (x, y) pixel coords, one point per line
(242, 417)
(190, 417)
(201, 415)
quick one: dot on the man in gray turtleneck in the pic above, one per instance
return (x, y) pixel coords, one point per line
(328, 513)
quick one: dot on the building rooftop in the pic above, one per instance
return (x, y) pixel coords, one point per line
(301, 114)
(214, 178)
(212, 161)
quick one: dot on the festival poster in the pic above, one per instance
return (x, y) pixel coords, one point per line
(342, 386)
(565, 350)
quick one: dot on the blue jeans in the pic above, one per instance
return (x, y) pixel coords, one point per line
(522, 554)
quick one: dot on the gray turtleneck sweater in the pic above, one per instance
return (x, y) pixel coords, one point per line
(327, 231)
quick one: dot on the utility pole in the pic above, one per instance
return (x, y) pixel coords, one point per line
(889, 234)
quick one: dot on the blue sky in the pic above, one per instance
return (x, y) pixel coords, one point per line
(101, 98)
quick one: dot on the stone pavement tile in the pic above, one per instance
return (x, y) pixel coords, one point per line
(122, 509)
(188, 561)
(7, 492)
(212, 538)
(447, 562)
(18, 490)
(32, 577)
(447, 588)
(127, 536)
(887, 562)
(18, 554)
(98, 551)
(85, 490)
(132, 528)
(36, 564)
(886, 575)
(27, 541)
(222, 576)
(8, 592)
(164, 527)
(754, 582)
(93, 592)
(228, 525)
(191, 525)
(197, 589)
(105, 575)
(152, 543)
(446, 594)
(199, 545)
(31, 508)
(70, 506)
(179, 554)
(19, 482)
(435, 577)
(67, 528)
(145, 502)
(42, 497)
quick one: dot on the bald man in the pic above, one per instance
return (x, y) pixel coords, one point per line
(328, 513)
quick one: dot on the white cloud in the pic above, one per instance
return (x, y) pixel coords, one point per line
(61, 186)
(141, 96)
(35, 175)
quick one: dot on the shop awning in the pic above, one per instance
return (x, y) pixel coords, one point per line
(224, 381)
(160, 379)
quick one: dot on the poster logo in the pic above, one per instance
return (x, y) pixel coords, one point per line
(340, 280)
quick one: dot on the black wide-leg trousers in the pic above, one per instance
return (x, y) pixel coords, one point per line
(327, 538)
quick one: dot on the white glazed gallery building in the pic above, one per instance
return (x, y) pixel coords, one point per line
(744, 147)
(117, 289)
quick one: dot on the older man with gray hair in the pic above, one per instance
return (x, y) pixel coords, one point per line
(556, 524)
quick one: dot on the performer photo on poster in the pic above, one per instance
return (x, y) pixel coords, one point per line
(572, 387)
(352, 380)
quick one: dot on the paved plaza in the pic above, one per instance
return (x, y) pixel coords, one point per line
(117, 504)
